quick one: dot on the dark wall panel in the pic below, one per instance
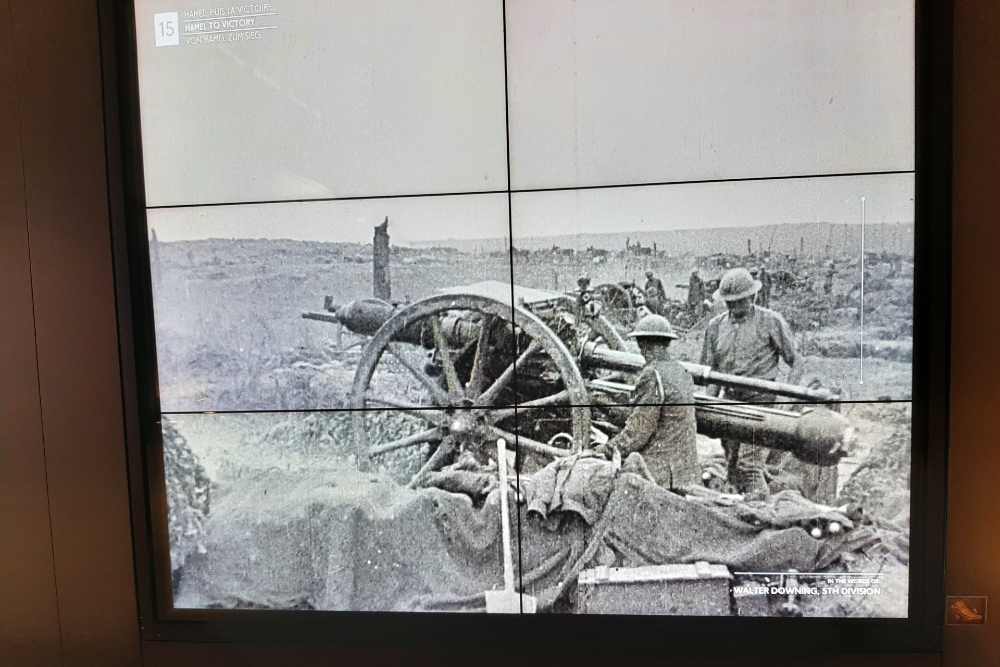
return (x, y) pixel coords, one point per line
(57, 57)
(63, 209)
(28, 616)
(973, 500)
(175, 654)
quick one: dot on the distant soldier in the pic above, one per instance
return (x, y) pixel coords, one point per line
(656, 295)
(828, 278)
(661, 422)
(764, 298)
(696, 293)
(764, 295)
(747, 340)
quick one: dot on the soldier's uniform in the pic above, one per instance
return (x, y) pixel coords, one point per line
(765, 288)
(661, 425)
(696, 294)
(750, 346)
(655, 293)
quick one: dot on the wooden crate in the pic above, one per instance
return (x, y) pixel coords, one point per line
(699, 589)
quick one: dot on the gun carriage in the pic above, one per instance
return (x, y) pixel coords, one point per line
(491, 360)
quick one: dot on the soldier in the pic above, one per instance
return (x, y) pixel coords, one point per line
(656, 295)
(696, 293)
(828, 277)
(764, 298)
(661, 423)
(747, 340)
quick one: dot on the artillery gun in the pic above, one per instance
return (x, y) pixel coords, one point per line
(491, 360)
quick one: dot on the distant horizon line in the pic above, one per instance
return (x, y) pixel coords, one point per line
(546, 236)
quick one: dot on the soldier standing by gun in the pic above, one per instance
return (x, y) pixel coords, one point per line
(747, 340)
(661, 423)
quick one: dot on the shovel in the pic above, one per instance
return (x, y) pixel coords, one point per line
(507, 601)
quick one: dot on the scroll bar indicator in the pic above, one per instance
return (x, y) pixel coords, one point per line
(862, 264)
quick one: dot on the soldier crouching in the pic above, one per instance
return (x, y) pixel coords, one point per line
(661, 423)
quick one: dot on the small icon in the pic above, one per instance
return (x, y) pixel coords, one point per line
(168, 32)
(966, 610)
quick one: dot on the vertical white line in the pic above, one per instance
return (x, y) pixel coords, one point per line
(862, 380)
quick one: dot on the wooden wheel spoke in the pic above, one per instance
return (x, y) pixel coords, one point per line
(478, 362)
(490, 395)
(451, 376)
(499, 414)
(408, 441)
(436, 391)
(555, 399)
(437, 459)
(431, 414)
(527, 443)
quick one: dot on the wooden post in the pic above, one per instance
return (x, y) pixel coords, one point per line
(154, 261)
(382, 286)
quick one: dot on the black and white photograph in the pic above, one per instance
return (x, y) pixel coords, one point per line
(273, 511)
(314, 99)
(345, 510)
(824, 264)
(272, 306)
(534, 307)
(651, 91)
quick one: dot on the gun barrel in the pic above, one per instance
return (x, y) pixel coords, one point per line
(819, 436)
(365, 316)
(601, 356)
(321, 316)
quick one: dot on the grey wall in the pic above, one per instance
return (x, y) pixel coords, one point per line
(67, 581)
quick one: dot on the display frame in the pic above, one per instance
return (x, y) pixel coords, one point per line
(920, 631)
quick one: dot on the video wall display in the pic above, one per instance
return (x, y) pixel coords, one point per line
(533, 307)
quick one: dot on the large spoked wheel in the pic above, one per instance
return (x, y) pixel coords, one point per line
(616, 303)
(467, 370)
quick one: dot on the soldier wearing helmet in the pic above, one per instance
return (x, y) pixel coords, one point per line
(747, 340)
(696, 293)
(656, 295)
(661, 422)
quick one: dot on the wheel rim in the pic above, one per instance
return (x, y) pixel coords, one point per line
(469, 403)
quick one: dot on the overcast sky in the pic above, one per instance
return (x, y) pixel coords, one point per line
(384, 97)
(614, 92)
(889, 198)
(411, 219)
(341, 98)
